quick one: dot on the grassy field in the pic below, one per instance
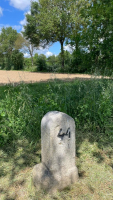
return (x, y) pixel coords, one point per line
(22, 107)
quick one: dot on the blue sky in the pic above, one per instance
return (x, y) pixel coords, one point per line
(12, 13)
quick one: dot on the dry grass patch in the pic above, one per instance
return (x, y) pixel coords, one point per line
(94, 162)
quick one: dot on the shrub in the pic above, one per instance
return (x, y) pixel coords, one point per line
(17, 60)
(41, 63)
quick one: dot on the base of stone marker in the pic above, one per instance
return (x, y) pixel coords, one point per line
(51, 181)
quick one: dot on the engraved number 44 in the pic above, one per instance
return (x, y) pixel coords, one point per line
(68, 133)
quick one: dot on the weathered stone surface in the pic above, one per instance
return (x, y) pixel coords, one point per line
(57, 169)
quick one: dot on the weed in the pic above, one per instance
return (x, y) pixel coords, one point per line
(90, 103)
(22, 107)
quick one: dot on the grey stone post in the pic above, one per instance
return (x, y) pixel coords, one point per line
(58, 168)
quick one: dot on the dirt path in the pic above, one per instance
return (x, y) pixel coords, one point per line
(7, 77)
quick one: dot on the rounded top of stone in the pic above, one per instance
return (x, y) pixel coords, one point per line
(52, 116)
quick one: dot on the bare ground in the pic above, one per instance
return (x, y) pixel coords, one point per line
(7, 77)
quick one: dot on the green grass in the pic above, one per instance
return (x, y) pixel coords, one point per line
(94, 161)
(22, 107)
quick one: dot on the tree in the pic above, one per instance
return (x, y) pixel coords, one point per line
(31, 29)
(52, 63)
(49, 21)
(54, 20)
(41, 63)
(106, 33)
(56, 23)
(99, 35)
(17, 60)
(35, 58)
(8, 37)
(67, 61)
(27, 62)
(25, 45)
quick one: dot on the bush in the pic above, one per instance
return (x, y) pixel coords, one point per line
(17, 60)
(41, 63)
(27, 62)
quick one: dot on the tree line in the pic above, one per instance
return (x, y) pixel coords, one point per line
(13, 45)
(85, 25)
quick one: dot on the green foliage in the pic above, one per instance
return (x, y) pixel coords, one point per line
(76, 62)
(41, 63)
(98, 36)
(52, 21)
(85, 25)
(67, 62)
(52, 63)
(8, 37)
(22, 107)
(18, 116)
(27, 62)
(10, 43)
(17, 60)
(35, 58)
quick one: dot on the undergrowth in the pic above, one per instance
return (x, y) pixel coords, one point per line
(22, 107)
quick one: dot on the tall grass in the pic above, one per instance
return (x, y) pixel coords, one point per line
(89, 102)
(22, 107)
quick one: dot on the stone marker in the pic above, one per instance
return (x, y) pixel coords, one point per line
(57, 169)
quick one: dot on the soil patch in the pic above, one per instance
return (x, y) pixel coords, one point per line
(9, 77)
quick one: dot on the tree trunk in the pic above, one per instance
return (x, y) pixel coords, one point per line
(32, 60)
(62, 54)
(30, 48)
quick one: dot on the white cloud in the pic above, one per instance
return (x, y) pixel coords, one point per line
(20, 4)
(26, 55)
(48, 53)
(40, 50)
(23, 22)
(1, 11)
(16, 27)
(68, 48)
